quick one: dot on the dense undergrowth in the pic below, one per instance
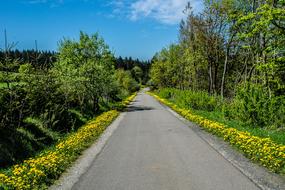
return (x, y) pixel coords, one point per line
(233, 113)
(261, 150)
(42, 104)
(40, 171)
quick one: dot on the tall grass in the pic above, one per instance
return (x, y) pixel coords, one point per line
(221, 110)
(198, 100)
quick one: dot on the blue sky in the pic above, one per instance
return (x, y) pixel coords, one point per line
(136, 28)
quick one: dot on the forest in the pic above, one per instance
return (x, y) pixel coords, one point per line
(229, 62)
(46, 95)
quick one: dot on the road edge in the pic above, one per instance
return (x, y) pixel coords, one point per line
(82, 164)
(260, 176)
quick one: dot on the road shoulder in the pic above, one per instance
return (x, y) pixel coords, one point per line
(82, 164)
(260, 176)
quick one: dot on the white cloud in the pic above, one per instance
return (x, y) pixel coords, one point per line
(164, 11)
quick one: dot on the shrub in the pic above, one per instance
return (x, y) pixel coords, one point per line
(36, 172)
(126, 82)
(40, 171)
(199, 100)
(255, 105)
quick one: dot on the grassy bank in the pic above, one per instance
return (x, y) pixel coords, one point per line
(264, 151)
(220, 110)
(276, 135)
(40, 172)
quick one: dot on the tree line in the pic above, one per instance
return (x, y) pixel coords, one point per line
(234, 49)
(38, 59)
(46, 59)
(46, 95)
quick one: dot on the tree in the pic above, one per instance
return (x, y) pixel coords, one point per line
(85, 69)
(137, 74)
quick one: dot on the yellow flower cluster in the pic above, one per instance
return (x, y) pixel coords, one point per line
(129, 99)
(262, 150)
(36, 172)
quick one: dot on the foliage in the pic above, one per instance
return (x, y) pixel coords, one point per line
(252, 105)
(261, 150)
(262, 33)
(38, 59)
(169, 68)
(41, 104)
(126, 82)
(234, 49)
(191, 99)
(85, 69)
(36, 173)
(256, 106)
(42, 170)
(137, 73)
(44, 60)
(140, 69)
(227, 111)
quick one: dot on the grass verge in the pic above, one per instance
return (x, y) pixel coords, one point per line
(40, 172)
(261, 150)
(276, 135)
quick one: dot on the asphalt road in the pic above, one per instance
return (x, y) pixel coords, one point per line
(153, 150)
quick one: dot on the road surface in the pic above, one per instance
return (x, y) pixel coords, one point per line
(153, 150)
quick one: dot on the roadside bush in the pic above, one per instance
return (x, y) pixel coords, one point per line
(40, 105)
(198, 100)
(42, 170)
(262, 150)
(255, 105)
(43, 105)
(126, 83)
(36, 173)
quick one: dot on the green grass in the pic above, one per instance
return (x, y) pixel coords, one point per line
(211, 107)
(277, 135)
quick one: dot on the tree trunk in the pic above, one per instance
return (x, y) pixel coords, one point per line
(95, 104)
(210, 89)
(224, 75)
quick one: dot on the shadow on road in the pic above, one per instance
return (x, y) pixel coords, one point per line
(138, 108)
